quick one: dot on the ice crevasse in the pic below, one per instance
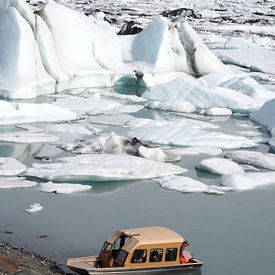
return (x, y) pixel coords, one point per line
(58, 48)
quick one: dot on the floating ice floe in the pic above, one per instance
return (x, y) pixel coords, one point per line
(28, 138)
(64, 188)
(35, 207)
(74, 128)
(180, 136)
(255, 136)
(245, 53)
(258, 159)
(14, 113)
(102, 167)
(172, 106)
(7, 183)
(249, 180)
(191, 151)
(111, 119)
(201, 96)
(216, 111)
(30, 128)
(11, 167)
(219, 166)
(189, 185)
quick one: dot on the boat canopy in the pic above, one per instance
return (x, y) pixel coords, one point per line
(154, 235)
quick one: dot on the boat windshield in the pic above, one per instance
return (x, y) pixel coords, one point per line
(107, 247)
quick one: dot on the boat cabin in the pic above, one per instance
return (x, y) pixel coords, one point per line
(139, 247)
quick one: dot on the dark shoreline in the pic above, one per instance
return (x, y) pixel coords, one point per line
(16, 260)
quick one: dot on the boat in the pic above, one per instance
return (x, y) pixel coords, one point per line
(146, 250)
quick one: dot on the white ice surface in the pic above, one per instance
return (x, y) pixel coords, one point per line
(28, 138)
(244, 53)
(248, 181)
(11, 167)
(102, 167)
(219, 166)
(191, 151)
(180, 106)
(189, 185)
(73, 128)
(216, 111)
(12, 113)
(180, 136)
(35, 207)
(111, 119)
(7, 183)
(201, 96)
(258, 159)
(64, 188)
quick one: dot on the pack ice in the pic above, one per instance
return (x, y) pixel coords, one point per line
(102, 167)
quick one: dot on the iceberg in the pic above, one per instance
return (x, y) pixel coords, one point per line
(248, 181)
(13, 113)
(258, 159)
(102, 167)
(11, 167)
(64, 188)
(189, 185)
(219, 166)
(28, 138)
(35, 207)
(180, 136)
(202, 97)
(7, 183)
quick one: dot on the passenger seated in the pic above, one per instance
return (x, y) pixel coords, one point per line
(185, 255)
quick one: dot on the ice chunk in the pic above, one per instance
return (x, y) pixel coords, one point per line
(28, 138)
(35, 207)
(111, 119)
(7, 183)
(189, 185)
(190, 151)
(216, 111)
(74, 128)
(12, 113)
(246, 54)
(64, 188)
(102, 167)
(179, 136)
(180, 106)
(200, 59)
(22, 74)
(258, 159)
(219, 166)
(201, 96)
(266, 115)
(158, 154)
(11, 167)
(93, 105)
(248, 181)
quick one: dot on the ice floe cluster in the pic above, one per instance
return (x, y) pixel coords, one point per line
(177, 95)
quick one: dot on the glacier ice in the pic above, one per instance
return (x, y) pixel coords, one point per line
(219, 166)
(11, 167)
(64, 188)
(102, 167)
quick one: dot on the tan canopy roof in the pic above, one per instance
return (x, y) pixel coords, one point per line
(146, 236)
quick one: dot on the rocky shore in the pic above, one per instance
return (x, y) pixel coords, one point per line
(15, 260)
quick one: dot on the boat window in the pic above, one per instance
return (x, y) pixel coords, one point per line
(156, 255)
(171, 254)
(120, 259)
(139, 256)
(107, 247)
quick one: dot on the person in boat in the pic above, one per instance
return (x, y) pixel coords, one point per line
(185, 255)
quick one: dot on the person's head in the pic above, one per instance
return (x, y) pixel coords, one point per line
(185, 243)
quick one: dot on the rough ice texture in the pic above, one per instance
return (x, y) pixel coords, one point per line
(244, 53)
(266, 115)
(248, 181)
(12, 113)
(258, 159)
(35, 207)
(102, 167)
(201, 96)
(216, 111)
(190, 151)
(179, 136)
(74, 128)
(64, 188)
(219, 166)
(28, 138)
(11, 167)
(22, 74)
(7, 183)
(189, 185)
